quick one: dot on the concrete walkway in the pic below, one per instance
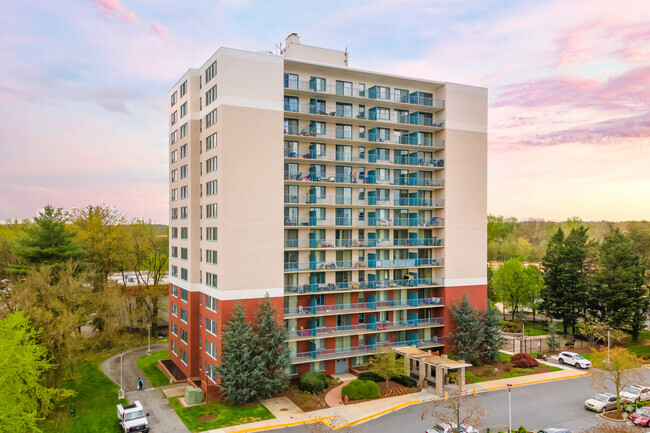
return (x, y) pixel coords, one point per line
(333, 396)
(162, 417)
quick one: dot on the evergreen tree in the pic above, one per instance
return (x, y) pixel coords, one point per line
(566, 278)
(552, 340)
(46, 242)
(468, 333)
(492, 341)
(619, 298)
(272, 349)
(239, 369)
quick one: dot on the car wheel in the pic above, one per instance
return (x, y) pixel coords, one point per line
(603, 410)
(561, 361)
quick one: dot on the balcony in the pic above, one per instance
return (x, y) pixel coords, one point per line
(362, 243)
(370, 349)
(364, 158)
(414, 98)
(347, 112)
(316, 310)
(363, 285)
(369, 179)
(313, 199)
(368, 222)
(408, 139)
(359, 264)
(333, 331)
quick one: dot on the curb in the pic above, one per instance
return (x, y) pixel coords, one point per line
(600, 415)
(289, 424)
(394, 408)
(538, 381)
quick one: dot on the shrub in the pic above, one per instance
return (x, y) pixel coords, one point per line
(488, 370)
(477, 362)
(509, 326)
(371, 375)
(507, 366)
(522, 429)
(523, 360)
(641, 403)
(406, 381)
(361, 390)
(312, 382)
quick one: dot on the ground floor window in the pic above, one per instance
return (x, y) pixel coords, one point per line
(211, 372)
(318, 366)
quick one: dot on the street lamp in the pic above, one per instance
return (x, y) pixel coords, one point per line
(149, 338)
(509, 408)
(120, 393)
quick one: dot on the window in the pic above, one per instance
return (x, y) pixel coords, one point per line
(184, 130)
(174, 348)
(290, 103)
(173, 118)
(211, 210)
(174, 255)
(183, 232)
(210, 349)
(211, 187)
(211, 279)
(184, 171)
(211, 233)
(183, 357)
(175, 290)
(174, 233)
(383, 113)
(318, 366)
(174, 213)
(211, 142)
(184, 336)
(174, 136)
(184, 212)
(317, 128)
(401, 95)
(211, 118)
(211, 71)
(211, 256)
(174, 271)
(184, 150)
(183, 88)
(362, 90)
(174, 156)
(173, 98)
(343, 110)
(211, 372)
(211, 303)
(183, 315)
(291, 81)
(174, 310)
(183, 192)
(343, 88)
(211, 164)
(174, 329)
(174, 194)
(183, 109)
(183, 295)
(183, 274)
(184, 257)
(211, 95)
(210, 326)
(317, 84)
(174, 175)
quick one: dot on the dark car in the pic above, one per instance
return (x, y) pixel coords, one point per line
(555, 430)
(641, 416)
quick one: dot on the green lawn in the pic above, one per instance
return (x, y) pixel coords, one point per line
(535, 332)
(225, 415)
(94, 404)
(149, 365)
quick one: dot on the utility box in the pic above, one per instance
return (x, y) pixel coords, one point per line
(193, 395)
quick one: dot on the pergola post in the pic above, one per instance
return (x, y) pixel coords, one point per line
(461, 378)
(421, 373)
(440, 376)
(407, 365)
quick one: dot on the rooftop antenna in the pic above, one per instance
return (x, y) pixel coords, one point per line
(278, 48)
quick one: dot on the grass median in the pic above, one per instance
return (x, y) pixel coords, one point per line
(149, 366)
(218, 415)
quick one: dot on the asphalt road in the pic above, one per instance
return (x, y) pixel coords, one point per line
(534, 406)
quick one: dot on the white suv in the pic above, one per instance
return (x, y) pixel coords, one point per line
(635, 394)
(574, 359)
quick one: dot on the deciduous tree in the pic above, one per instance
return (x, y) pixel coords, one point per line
(511, 285)
(386, 365)
(614, 369)
(457, 410)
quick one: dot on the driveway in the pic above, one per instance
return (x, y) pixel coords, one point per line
(162, 417)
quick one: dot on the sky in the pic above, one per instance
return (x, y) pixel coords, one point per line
(84, 83)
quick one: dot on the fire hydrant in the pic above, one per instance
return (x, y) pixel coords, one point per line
(345, 399)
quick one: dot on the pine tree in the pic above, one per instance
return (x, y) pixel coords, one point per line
(239, 369)
(492, 341)
(272, 349)
(552, 340)
(468, 333)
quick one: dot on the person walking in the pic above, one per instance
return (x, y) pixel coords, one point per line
(140, 384)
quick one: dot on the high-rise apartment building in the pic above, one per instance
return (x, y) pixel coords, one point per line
(355, 199)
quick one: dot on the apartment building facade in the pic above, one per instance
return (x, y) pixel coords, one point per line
(356, 200)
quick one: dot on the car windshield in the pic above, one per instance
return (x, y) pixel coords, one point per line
(643, 411)
(600, 397)
(578, 357)
(134, 415)
(631, 390)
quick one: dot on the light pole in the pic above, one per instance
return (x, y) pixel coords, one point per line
(509, 408)
(120, 393)
(149, 338)
(608, 345)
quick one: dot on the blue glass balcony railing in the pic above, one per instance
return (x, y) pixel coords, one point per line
(313, 199)
(368, 222)
(412, 140)
(343, 352)
(347, 112)
(363, 285)
(396, 325)
(363, 158)
(370, 179)
(353, 307)
(360, 264)
(363, 243)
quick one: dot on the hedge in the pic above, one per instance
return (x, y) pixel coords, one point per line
(371, 375)
(361, 390)
(313, 382)
(407, 381)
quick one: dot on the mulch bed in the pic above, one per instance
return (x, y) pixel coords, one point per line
(207, 417)
(306, 401)
(614, 415)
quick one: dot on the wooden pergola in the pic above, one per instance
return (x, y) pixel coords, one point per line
(420, 359)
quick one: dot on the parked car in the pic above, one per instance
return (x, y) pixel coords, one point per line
(554, 430)
(601, 402)
(443, 427)
(635, 394)
(641, 416)
(132, 418)
(574, 359)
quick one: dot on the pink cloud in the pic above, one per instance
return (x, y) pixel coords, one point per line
(158, 29)
(114, 8)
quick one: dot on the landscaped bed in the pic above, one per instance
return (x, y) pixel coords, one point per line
(503, 370)
(217, 415)
(306, 401)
